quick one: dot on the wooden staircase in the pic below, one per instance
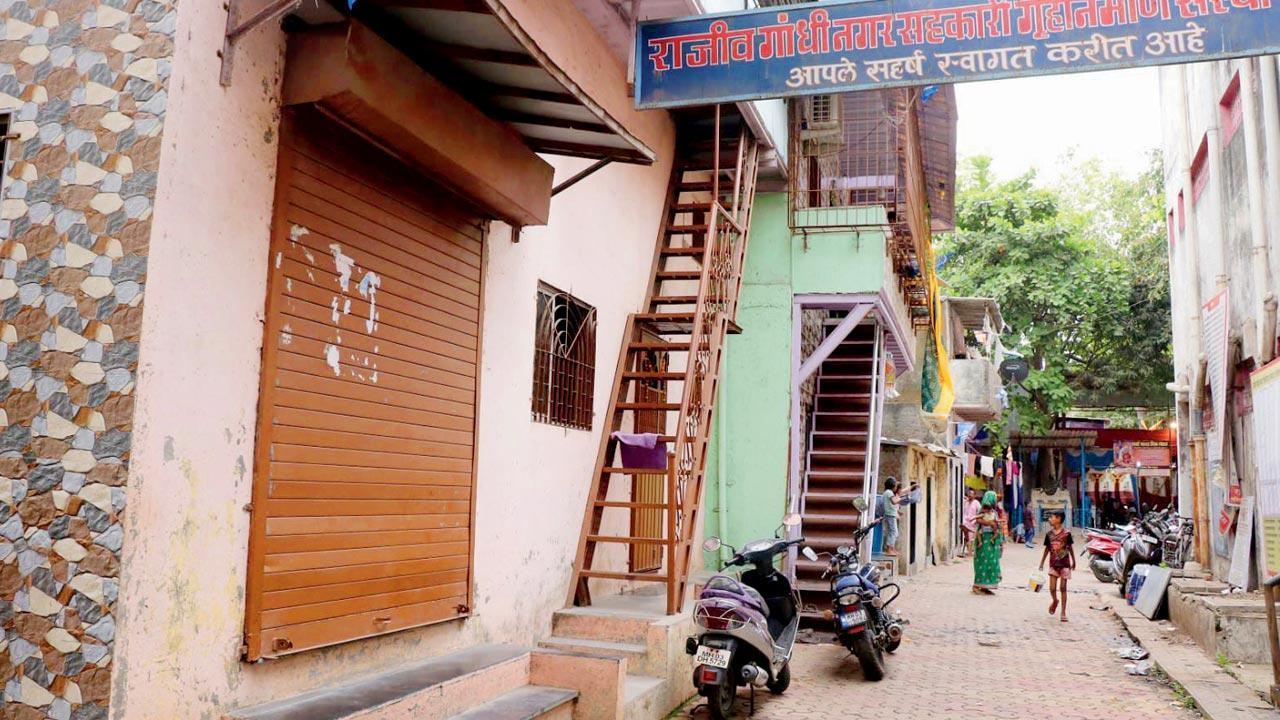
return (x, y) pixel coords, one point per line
(690, 307)
(841, 455)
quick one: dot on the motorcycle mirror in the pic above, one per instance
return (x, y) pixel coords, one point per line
(860, 503)
(712, 544)
(844, 550)
(809, 553)
(791, 520)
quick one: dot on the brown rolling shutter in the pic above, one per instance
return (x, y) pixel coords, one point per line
(362, 510)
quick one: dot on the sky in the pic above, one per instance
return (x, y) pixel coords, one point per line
(1033, 122)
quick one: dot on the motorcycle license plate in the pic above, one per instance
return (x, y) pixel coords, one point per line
(712, 657)
(853, 619)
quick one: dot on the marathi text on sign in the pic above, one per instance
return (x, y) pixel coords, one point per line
(881, 42)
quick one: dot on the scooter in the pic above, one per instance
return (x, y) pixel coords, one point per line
(863, 622)
(1142, 546)
(747, 624)
(1102, 545)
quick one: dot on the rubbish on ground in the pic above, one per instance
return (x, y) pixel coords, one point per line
(1142, 667)
(1133, 653)
(1099, 607)
(989, 643)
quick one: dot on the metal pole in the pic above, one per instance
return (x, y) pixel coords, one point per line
(1084, 475)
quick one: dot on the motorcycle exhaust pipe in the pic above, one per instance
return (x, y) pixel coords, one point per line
(754, 675)
(894, 632)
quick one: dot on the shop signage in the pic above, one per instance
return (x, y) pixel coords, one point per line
(1266, 415)
(1217, 319)
(841, 46)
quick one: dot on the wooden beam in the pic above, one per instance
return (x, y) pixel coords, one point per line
(837, 336)
(516, 116)
(467, 6)
(466, 52)
(496, 90)
(585, 150)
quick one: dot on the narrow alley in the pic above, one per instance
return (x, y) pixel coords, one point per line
(970, 656)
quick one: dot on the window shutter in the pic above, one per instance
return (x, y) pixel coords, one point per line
(362, 510)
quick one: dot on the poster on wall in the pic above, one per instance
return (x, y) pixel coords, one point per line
(1223, 517)
(1123, 454)
(1242, 554)
(1266, 413)
(1217, 319)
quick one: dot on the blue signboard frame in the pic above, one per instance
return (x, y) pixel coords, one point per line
(841, 46)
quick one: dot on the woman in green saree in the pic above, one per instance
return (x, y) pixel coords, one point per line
(987, 547)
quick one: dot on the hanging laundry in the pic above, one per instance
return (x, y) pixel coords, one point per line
(988, 466)
(642, 450)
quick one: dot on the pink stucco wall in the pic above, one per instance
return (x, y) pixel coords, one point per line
(187, 528)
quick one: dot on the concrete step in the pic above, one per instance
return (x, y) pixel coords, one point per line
(446, 686)
(526, 703)
(636, 654)
(601, 624)
(644, 697)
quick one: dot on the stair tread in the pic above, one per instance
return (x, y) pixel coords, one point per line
(637, 686)
(602, 646)
(685, 229)
(832, 495)
(691, 250)
(851, 517)
(679, 274)
(523, 703)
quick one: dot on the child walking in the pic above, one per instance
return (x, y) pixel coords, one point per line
(1058, 550)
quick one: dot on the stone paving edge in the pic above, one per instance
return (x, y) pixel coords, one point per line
(1215, 698)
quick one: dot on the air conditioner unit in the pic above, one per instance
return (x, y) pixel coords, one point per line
(821, 117)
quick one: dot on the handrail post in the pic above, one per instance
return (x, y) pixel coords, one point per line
(715, 159)
(1269, 588)
(673, 565)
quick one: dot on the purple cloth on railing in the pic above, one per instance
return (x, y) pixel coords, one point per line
(642, 450)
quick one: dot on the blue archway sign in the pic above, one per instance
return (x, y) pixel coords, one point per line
(840, 46)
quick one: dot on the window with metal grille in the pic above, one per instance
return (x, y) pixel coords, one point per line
(564, 363)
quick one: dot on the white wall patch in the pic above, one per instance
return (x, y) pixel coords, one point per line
(369, 289)
(331, 358)
(343, 263)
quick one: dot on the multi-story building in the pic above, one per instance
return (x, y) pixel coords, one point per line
(307, 339)
(835, 301)
(1222, 180)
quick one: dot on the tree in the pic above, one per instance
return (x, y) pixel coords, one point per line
(1080, 273)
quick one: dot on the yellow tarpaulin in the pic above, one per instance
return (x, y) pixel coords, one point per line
(947, 394)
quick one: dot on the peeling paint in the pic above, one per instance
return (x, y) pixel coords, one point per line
(331, 358)
(297, 231)
(279, 258)
(374, 377)
(310, 258)
(346, 307)
(288, 284)
(334, 306)
(369, 288)
(343, 263)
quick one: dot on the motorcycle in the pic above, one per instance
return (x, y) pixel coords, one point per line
(1141, 546)
(1102, 545)
(863, 622)
(747, 624)
(1176, 545)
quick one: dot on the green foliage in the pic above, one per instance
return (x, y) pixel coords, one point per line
(1081, 275)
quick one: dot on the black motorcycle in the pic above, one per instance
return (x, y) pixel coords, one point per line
(864, 624)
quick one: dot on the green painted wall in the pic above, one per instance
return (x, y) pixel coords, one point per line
(751, 427)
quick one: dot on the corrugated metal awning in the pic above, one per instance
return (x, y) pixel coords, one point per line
(482, 52)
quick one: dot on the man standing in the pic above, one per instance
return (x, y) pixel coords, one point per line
(1028, 525)
(891, 501)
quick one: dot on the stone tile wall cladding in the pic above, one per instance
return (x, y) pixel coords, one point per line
(85, 84)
